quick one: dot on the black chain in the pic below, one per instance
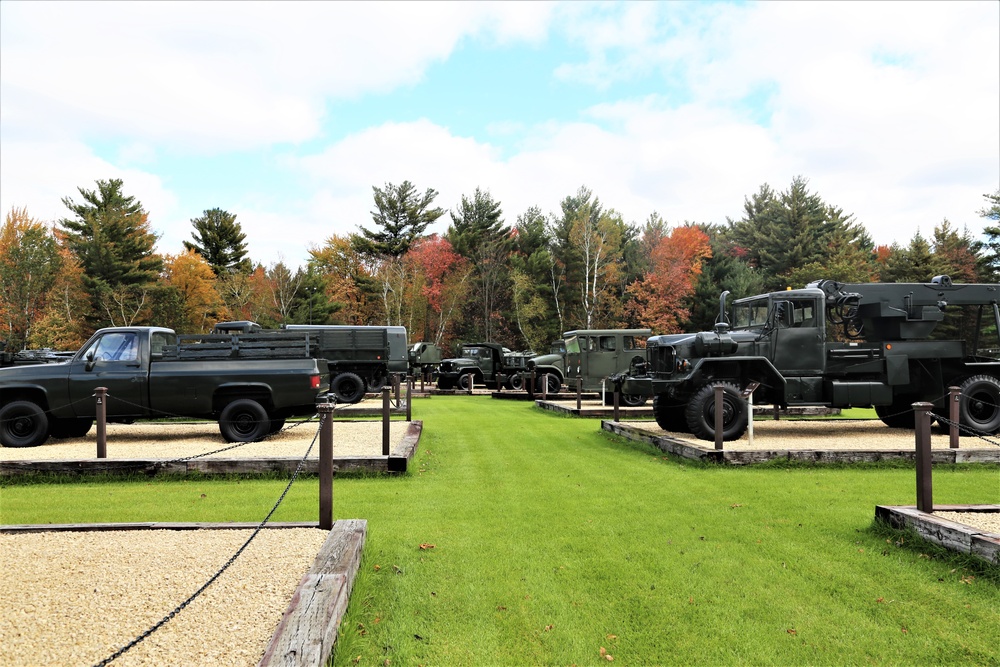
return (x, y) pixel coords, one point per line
(966, 429)
(231, 560)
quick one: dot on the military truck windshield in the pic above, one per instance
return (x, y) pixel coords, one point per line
(558, 347)
(750, 315)
(471, 352)
(573, 345)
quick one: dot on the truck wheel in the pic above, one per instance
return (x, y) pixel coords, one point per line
(669, 414)
(979, 406)
(554, 385)
(445, 384)
(72, 427)
(515, 382)
(276, 425)
(899, 414)
(631, 400)
(700, 412)
(348, 388)
(244, 420)
(23, 424)
(463, 382)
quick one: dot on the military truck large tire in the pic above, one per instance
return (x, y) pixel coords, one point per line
(348, 388)
(669, 414)
(445, 384)
(70, 427)
(23, 424)
(900, 414)
(515, 382)
(979, 406)
(244, 420)
(554, 384)
(700, 412)
(463, 381)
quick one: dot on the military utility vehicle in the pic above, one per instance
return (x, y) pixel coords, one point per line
(27, 357)
(424, 359)
(594, 355)
(360, 358)
(489, 364)
(830, 344)
(249, 388)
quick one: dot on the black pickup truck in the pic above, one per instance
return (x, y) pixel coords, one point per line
(151, 372)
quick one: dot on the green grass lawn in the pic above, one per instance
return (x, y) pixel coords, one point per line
(523, 537)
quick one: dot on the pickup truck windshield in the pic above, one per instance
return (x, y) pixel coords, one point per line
(114, 346)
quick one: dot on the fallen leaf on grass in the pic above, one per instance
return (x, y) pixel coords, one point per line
(904, 631)
(501, 608)
(735, 505)
(968, 580)
(791, 631)
(607, 656)
(612, 637)
(548, 627)
(426, 546)
(377, 567)
(397, 569)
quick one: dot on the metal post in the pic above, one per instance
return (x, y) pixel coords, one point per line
(102, 422)
(925, 500)
(385, 421)
(616, 403)
(545, 387)
(531, 386)
(719, 391)
(325, 466)
(954, 396)
(422, 376)
(579, 392)
(409, 397)
(750, 418)
(472, 382)
(777, 409)
(395, 386)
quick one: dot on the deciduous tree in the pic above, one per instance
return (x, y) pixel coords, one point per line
(29, 263)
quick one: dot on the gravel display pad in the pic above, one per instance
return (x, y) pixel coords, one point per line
(76, 598)
(164, 440)
(988, 522)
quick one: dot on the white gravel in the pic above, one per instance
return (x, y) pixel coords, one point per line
(868, 434)
(985, 521)
(76, 598)
(145, 440)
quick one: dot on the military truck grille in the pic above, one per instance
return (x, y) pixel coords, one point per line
(447, 367)
(661, 359)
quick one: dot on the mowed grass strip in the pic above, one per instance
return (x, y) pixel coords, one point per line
(523, 537)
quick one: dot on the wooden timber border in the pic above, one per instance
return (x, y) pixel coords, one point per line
(949, 534)
(707, 453)
(309, 626)
(220, 466)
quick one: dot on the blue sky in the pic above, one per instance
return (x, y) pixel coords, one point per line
(287, 114)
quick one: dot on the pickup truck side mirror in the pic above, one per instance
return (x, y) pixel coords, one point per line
(90, 361)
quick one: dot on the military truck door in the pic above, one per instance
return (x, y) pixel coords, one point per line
(603, 361)
(575, 351)
(798, 349)
(112, 360)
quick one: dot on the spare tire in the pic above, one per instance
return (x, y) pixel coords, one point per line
(348, 388)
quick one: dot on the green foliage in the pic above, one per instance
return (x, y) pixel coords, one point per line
(221, 241)
(111, 237)
(401, 216)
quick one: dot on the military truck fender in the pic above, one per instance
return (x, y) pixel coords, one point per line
(348, 388)
(740, 371)
(979, 406)
(700, 412)
(244, 420)
(23, 424)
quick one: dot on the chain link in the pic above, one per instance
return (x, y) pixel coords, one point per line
(966, 429)
(298, 469)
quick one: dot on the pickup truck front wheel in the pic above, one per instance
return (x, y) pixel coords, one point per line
(71, 427)
(23, 424)
(244, 420)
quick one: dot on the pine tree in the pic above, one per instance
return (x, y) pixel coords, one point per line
(113, 241)
(221, 241)
(401, 216)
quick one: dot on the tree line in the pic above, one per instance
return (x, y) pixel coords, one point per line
(520, 283)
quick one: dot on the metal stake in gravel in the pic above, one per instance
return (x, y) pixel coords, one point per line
(954, 399)
(385, 421)
(579, 392)
(925, 499)
(409, 396)
(718, 415)
(102, 422)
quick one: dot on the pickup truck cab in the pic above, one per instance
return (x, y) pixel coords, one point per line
(151, 372)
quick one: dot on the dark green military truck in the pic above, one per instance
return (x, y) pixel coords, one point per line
(831, 344)
(488, 364)
(594, 355)
(151, 372)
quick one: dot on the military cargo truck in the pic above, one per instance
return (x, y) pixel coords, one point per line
(480, 363)
(424, 359)
(830, 344)
(595, 355)
(360, 358)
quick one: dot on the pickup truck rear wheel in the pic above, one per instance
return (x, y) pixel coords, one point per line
(700, 412)
(244, 420)
(979, 406)
(70, 427)
(348, 388)
(23, 424)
